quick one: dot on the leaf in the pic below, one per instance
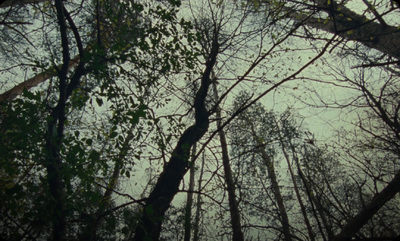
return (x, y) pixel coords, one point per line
(89, 142)
(99, 101)
(94, 155)
(113, 134)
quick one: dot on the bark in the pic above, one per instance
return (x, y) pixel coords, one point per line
(357, 222)
(189, 202)
(349, 25)
(56, 184)
(167, 185)
(233, 205)
(274, 184)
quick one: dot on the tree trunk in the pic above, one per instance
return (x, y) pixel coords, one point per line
(54, 137)
(189, 202)
(149, 227)
(233, 205)
(56, 183)
(296, 189)
(56, 125)
(274, 183)
(313, 201)
(198, 205)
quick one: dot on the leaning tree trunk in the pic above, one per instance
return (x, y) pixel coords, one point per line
(149, 227)
(358, 221)
(17, 90)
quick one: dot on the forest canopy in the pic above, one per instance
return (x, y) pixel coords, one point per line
(199, 120)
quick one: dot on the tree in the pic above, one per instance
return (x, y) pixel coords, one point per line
(233, 204)
(258, 122)
(378, 137)
(64, 154)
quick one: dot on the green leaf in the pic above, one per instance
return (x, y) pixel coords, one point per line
(99, 101)
(31, 95)
(113, 134)
(94, 155)
(89, 142)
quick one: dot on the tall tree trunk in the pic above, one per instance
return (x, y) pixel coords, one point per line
(274, 183)
(233, 205)
(198, 204)
(149, 227)
(56, 125)
(54, 137)
(55, 180)
(315, 202)
(189, 200)
(296, 188)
